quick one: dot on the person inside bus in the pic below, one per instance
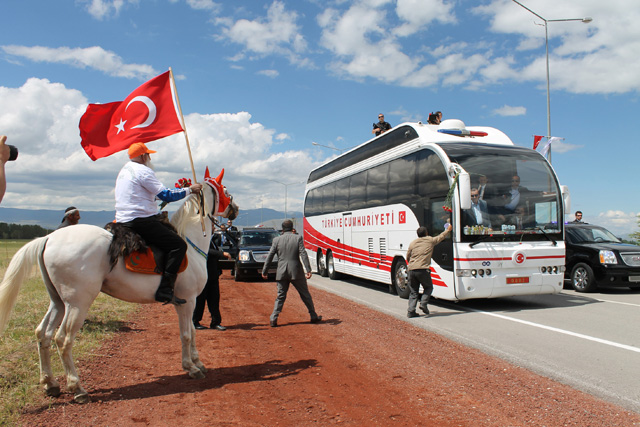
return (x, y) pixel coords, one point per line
(380, 127)
(478, 214)
(520, 219)
(513, 196)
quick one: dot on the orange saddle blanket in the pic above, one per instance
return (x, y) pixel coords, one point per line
(145, 263)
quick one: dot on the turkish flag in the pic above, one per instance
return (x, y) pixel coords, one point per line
(147, 114)
(536, 141)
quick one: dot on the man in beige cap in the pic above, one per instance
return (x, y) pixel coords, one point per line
(137, 190)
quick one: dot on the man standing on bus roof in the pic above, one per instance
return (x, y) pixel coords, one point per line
(380, 127)
(419, 259)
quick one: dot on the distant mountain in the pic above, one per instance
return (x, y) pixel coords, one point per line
(51, 218)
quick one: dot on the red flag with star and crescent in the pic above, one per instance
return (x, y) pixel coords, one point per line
(147, 114)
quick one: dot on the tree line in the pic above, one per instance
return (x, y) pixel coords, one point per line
(18, 231)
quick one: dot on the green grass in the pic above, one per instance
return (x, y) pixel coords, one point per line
(19, 372)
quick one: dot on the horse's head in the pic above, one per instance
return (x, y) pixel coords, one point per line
(223, 205)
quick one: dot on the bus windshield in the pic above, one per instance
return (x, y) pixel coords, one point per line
(515, 194)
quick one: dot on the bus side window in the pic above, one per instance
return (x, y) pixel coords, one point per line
(377, 186)
(402, 179)
(328, 204)
(342, 195)
(357, 191)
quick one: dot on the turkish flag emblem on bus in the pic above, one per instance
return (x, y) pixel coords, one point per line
(402, 218)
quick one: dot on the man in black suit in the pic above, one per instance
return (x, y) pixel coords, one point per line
(290, 248)
(478, 214)
(210, 295)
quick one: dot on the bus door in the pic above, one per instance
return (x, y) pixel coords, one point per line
(347, 240)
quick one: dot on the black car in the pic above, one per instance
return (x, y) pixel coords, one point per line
(597, 258)
(253, 248)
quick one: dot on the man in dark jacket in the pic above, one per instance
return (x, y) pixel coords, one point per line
(210, 295)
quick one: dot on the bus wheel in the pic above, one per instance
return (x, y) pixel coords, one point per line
(321, 264)
(401, 279)
(582, 278)
(331, 269)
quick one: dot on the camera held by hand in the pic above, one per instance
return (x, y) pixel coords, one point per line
(13, 152)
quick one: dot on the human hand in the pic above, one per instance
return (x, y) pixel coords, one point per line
(308, 275)
(264, 276)
(4, 149)
(227, 255)
(196, 188)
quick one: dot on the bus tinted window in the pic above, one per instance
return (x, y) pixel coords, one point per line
(388, 140)
(357, 193)
(377, 185)
(432, 178)
(328, 198)
(402, 179)
(342, 195)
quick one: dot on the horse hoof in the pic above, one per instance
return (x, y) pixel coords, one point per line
(198, 375)
(53, 391)
(82, 398)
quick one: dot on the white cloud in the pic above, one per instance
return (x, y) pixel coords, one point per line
(52, 172)
(582, 56)
(508, 111)
(418, 14)
(204, 5)
(269, 73)
(618, 222)
(90, 57)
(276, 34)
(101, 9)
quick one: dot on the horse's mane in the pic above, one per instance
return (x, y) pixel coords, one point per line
(186, 215)
(189, 213)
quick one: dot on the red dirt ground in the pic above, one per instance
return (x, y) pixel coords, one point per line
(359, 367)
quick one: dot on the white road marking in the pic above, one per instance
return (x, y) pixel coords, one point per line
(562, 331)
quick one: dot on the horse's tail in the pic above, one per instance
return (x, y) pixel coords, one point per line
(20, 266)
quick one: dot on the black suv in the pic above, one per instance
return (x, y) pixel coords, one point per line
(597, 258)
(253, 248)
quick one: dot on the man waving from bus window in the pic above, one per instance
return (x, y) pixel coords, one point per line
(419, 259)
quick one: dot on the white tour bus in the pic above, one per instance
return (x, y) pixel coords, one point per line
(362, 209)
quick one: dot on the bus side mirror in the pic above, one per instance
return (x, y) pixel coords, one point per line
(464, 186)
(566, 199)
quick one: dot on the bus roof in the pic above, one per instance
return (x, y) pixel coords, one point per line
(451, 130)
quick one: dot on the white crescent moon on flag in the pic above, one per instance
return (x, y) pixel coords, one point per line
(150, 105)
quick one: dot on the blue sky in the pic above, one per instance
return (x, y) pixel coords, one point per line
(260, 81)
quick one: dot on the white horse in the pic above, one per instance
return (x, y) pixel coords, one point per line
(76, 267)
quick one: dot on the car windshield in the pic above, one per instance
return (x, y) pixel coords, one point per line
(257, 238)
(591, 235)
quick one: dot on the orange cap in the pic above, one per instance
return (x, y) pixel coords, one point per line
(138, 149)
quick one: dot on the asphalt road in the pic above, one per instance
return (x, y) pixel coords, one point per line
(588, 341)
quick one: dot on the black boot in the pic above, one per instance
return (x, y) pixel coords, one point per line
(165, 290)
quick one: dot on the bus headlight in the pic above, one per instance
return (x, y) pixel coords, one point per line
(543, 269)
(481, 272)
(608, 257)
(488, 272)
(463, 272)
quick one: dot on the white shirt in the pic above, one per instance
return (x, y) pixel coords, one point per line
(136, 190)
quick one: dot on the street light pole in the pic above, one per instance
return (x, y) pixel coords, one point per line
(326, 146)
(285, 192)
(585, 20)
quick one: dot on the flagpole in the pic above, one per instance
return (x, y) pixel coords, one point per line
(186, 137)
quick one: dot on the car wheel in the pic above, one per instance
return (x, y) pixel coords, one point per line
(321, 264)
(401, 279)
(582, 278)
(331, 268)
(238, 277)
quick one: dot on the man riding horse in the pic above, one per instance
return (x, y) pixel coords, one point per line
(137, 189)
